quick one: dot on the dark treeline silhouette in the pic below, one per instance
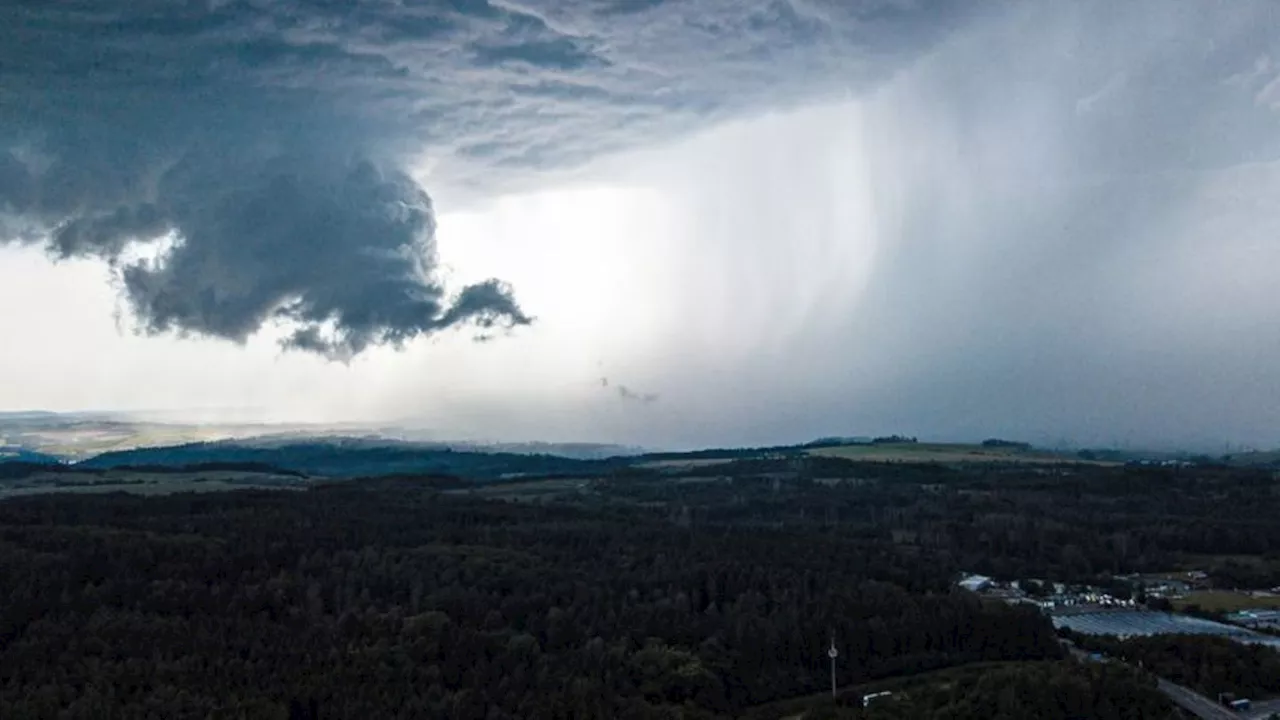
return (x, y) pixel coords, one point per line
(245, 467)
(999, 443)
(19, 469)
(354, 458)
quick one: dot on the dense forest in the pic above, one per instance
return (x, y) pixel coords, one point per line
(701, 593)
(1211, 665)
(1068, 522)
(388, 599)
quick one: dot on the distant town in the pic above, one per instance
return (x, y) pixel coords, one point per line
(1137, 604)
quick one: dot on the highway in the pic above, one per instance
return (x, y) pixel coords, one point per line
(1195, 703)
(1263, 710)
(1185, 698)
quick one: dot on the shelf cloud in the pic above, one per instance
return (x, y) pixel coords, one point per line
(266, 150)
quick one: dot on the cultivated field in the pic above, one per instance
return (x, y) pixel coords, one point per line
(944, 453)
(681, 463)
(85, 440)
(147, 483)
(1227, 601)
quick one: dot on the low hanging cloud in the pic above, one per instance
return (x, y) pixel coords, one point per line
(628, 394)
(266, 147)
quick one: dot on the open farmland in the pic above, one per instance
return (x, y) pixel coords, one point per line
(683, 463)
(943, 453)
(140, 482)
(82, 442)
(1227, 601)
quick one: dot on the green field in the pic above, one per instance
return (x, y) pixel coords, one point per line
(147, 483)
(1226, 601)
(944, 453)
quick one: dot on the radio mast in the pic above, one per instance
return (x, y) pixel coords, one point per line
(833, 653)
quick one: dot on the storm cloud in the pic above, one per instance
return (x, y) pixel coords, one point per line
(1076, 243)
(1069, 229)
(270, 153)
(1051, 221)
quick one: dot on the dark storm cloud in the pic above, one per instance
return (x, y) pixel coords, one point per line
(270, 141)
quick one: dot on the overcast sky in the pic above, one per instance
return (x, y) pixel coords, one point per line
(662, 222)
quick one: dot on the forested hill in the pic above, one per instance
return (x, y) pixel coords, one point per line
(349, 457)
(354, 458)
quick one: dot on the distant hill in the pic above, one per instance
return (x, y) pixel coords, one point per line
(347, 457)
(579, 451)
(12, 453)
(78, 436)
(991, 451)
(103, 441)
(344, 458)
(18, 469)
(576, 451)
(28, 415)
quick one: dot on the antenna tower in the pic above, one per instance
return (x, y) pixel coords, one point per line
(833, 654)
